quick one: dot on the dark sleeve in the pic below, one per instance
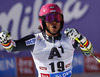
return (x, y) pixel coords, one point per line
(21, 44)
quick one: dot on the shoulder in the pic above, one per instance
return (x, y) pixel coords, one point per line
(28, 37)
(66, 39)
(32, 36)
(38, 34)
(66, 42)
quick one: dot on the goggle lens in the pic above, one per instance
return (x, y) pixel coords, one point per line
(53, 17)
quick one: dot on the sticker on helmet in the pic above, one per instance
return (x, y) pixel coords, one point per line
(51, 7)
(52, 10)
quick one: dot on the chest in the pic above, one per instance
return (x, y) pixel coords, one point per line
(59, 50)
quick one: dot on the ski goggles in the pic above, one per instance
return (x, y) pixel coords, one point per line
(53, 17)
(49, 18)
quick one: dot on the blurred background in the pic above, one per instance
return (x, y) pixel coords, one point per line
(20, 17)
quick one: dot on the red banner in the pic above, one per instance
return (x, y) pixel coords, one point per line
(91, 65)
(25, 67)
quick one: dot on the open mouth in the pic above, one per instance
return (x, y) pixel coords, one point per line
(54, 27)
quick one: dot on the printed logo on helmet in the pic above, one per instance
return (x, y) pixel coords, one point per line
(51, 7)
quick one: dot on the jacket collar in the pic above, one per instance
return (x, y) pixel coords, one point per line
(51, 39)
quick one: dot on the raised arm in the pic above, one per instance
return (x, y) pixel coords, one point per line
(81, 43)
(25, 43)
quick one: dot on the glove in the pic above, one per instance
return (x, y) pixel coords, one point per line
(6, 40)
(4, 37)
(72, 33)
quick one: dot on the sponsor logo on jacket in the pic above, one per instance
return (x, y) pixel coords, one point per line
(30, 42)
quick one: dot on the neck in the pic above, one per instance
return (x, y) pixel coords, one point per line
(51, 38)
(51, 35)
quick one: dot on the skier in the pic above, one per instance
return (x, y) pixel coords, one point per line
(51, 50)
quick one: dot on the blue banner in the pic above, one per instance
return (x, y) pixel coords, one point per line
(78, 64)
(8, 67)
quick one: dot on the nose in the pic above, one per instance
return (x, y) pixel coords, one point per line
(54, 21)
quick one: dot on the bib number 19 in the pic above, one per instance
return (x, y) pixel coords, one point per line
(60, 66)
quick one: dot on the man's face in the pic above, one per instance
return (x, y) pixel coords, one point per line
(53, 22)
(53, 27)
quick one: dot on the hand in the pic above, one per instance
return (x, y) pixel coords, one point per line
(4, 36)
(84, 44)
(72, 33)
